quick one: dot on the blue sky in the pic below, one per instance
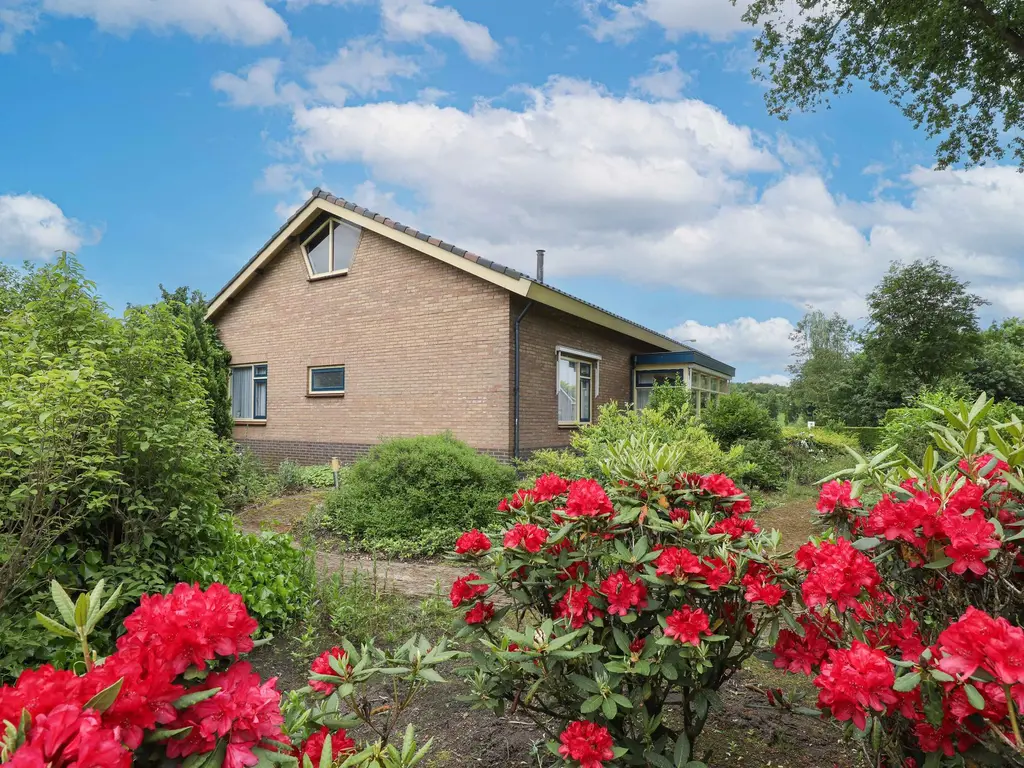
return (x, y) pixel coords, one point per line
(165, 142)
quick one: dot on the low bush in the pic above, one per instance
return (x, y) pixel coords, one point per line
(615, 603)
(568, 463)
(420, 490)
(247, 480)
(318, 476)
(276, 579)
(768, 470)
(812, 454)
(737, 417)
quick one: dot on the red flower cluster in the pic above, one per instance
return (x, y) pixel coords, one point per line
(681, 564)
(687, 625)
(472, 542)
(761, 587)
(837, 574)
(190, 627)
(527, 535)
(548, 487)
(723, 486)
(835, 497)
(804, 654)
(587, 499)
(481, 613)
(517, 500)
(736, 526)
(322, 666)
(979, 641)
(576, 606)
(69, 737)
(854, 681)
(463, 592)
(245, 711)
(623, 595)
(313, 748)
(587, 743)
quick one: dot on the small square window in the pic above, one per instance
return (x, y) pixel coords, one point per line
(327, 380)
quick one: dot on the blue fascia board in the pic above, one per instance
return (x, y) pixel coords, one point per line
(690, 357)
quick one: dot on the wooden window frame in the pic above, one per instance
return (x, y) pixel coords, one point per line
(310, 370)
(577, 356)
(331, 271)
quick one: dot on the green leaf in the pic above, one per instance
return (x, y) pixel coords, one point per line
(974, 696)
(189, 699)
(163, 734)
(942, 562)
(63, 603)
(868, 542)
(608, 709)
(657, 760)
(103, 700)
(906, 683)
(82, 610)
(326, 753)
(592, 704)
(58, 629)
(682, 751)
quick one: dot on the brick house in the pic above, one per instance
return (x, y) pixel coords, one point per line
(347, 328)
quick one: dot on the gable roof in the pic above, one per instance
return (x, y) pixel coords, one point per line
(498, 274)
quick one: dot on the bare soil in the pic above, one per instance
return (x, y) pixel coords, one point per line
(795, 520)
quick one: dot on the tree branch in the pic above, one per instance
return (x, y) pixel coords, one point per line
(1013, 39)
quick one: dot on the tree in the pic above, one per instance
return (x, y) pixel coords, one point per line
(923, 325)
(204, 349)
(824, 345)
(775, 398)
(999, 364)
(956, 68)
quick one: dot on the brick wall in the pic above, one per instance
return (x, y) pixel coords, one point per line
(544, 328)
(425, 348)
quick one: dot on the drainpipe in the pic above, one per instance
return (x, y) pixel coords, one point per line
(515, 430)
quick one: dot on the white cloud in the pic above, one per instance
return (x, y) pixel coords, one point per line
(363, 67)
(250, 22)
(780, 379)
(258, 86)
(15, 20)
(743, 341)
(419, 19)
(32, 227)
(717, 19)
(665, 80)
(430, 95)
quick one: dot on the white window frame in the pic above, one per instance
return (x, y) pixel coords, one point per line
(683, 371)
(577, 356)
(325, 392)
(253, 378)
(331, 271)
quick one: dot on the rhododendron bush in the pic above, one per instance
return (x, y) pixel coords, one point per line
(176, 693)
(915, 597)
(598, 611)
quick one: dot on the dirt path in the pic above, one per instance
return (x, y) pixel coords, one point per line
(417, 578)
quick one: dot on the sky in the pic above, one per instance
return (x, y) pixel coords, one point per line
(164, 141)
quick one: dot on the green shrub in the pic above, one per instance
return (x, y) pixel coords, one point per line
(247, 480)
(768, 469)
(319, 476)
(276, 578)
(673, 398)
(418, 489)
(289, 477)
(737, 417)
(869, 438)
(567, 463)
(812, 454)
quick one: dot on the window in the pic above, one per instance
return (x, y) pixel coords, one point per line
(706, 390)
(329, 246)
(327, 380)
(645, 381)
(576, 389)
(249, 392)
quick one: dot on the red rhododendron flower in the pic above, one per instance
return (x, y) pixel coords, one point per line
(836, 495)
(68, 737)
(463, 592)
(719, 485)
(677, 562)
(978, 640)
(980, 462)
(679, 514)
(480, 613)
(146, 697)
(575, 605)
(577, 571)
(530, 537)
(838, 574)
(245, 711)
(341, 744)
(802, 654)
(637, 646)
(472, 542)
(623, 595)
(686, 625)
(971, 541)
(716, 573)
(548, 487)
(322, 666)
(904, 637)
(587, 743)
(760, 586)
(189, 626)
(587, 499)
(39, 691)
(896, 520)
(734, 525)
(854, 681)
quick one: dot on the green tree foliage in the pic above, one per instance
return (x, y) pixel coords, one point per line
(999, 363)
(204, 350)
(824, 349)
(923, 325)
(777, 399)
(736, 417)
(416, 495)
(953, 68)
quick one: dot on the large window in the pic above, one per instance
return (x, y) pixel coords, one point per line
(645, 381)
(704, 388)
(329, 246)
(249, 392)
(327, 380)
(577, 376)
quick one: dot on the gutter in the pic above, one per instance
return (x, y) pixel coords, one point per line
(515, 397)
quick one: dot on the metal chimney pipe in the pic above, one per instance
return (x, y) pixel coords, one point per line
(540, 265)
